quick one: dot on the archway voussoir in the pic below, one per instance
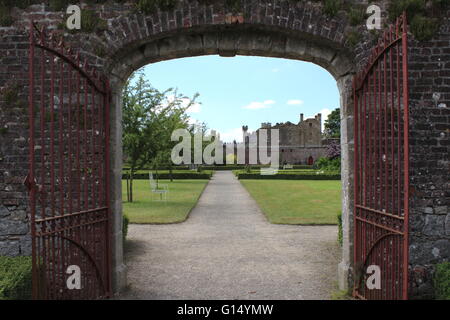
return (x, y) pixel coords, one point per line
(295, 48)
(151, 51)
(210, 43)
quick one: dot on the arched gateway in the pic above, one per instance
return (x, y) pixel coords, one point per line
(117, 40)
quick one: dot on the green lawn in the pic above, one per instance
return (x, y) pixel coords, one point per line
(297, 201)
(183, 195)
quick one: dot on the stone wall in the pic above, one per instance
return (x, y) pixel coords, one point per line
(300, 155)
(429, 80)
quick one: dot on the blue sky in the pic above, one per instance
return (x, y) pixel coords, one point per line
(247, 90)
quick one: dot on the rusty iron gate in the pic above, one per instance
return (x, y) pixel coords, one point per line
(381, 168)
(68, 174)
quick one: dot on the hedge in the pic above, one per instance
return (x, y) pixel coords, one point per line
(126, 168)
(287, 176)
(253, 167)
(15, 278)
(442, 281)
(175, 176)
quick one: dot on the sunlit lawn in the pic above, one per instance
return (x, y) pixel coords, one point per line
(182, 197)
(297, 201)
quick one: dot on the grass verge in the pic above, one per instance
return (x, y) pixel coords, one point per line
(183, 196)
(306, 202)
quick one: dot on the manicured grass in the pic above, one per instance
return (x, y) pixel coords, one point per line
(183, 195)
(297, 201)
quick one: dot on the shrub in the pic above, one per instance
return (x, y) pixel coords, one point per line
(327, 164)
(125, 223)
(339, 217)
(442, 281)
(15, 278)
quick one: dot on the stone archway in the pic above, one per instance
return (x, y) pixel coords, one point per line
(230, 41)
(118, 40)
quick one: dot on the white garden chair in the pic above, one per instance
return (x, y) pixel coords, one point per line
(158, 188)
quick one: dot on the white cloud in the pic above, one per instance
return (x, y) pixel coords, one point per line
(295, 102)
(259, 105)
(194, 108)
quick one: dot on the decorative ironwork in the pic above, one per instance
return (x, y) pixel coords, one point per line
(381, 167)
(69, 171)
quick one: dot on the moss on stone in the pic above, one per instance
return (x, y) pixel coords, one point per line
(58, 5)
(10, 94)
(353, 38)
(332, 7)
(91, 22)
(356, 15)
(423, 15)
(6, 19)
(424, 28)
(151, 6)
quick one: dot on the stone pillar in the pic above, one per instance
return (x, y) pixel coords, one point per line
(118, 268)
(345, 267)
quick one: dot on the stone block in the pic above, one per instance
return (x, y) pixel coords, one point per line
(434, 225)
(10, 227)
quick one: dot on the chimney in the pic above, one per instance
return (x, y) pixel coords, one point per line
(301, 117)
(319, 117)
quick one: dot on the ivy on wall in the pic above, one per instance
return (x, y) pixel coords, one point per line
(424, 15)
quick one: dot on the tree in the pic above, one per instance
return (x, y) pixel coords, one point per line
(149, 118)
(333, 124)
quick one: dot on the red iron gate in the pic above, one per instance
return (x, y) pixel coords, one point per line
(381, 167)
(69, 169)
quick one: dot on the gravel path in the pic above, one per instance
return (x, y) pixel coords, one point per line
(228, 250)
